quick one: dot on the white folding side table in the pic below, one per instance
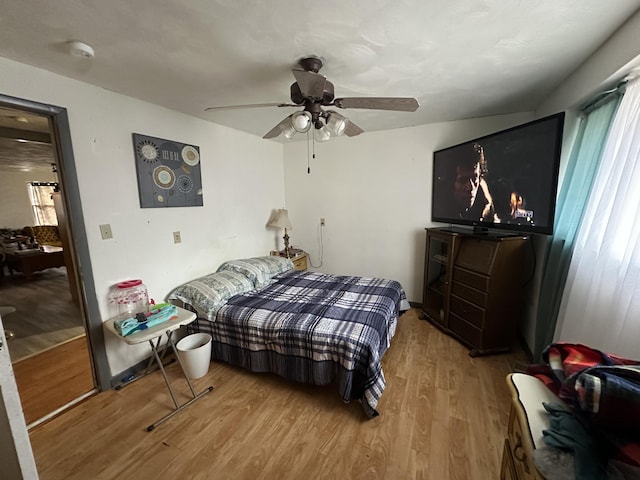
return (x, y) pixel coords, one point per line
(156, 333)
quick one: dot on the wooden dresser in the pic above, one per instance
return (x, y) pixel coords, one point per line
(527, 420)
(473, 287)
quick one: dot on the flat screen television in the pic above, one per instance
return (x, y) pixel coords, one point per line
(506, 180)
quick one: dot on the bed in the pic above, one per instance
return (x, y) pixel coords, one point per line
(305, 326)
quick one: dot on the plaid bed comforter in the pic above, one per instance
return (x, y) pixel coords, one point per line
(314, 328)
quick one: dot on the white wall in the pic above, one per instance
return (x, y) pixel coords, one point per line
(16, 211)
(374, 191)
(242, 177)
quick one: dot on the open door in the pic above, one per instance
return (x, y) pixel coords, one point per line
(16, 456)
(76, 250)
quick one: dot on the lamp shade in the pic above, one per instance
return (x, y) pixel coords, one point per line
(281, 219)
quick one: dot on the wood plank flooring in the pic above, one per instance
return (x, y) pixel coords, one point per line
(442, 416)
(49, 380)
(45, 313)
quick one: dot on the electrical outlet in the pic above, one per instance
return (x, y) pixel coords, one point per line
(176, 237)
(322, 221)
(105, 232)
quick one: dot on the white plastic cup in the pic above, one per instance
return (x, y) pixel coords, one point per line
(195, 354)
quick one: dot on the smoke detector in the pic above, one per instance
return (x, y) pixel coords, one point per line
(79, 49)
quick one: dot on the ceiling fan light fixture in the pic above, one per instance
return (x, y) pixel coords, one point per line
(336, 123)
(301, 121)
(287, 130)
(321, 134)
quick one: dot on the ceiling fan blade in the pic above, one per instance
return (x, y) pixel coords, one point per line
(311, 84)
(251, 105)
(352, 129)
(402, 104)
(275, 131)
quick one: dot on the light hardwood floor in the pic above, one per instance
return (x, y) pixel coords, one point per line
(45, 314)
(51, 379)
(442, 416)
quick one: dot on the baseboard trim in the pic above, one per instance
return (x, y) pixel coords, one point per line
(125, 376)
(62, 409)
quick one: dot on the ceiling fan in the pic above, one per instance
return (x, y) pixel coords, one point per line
(313, 91)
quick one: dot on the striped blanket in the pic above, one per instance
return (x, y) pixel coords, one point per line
(604, 392)
(314, 328)
(604, 386)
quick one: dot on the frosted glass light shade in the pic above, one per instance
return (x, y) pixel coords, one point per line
(322, 134)
(337, 124)
(301, 121)
(287, 130)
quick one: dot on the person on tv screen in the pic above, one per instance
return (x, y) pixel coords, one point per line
(470, 189)
(510, 205)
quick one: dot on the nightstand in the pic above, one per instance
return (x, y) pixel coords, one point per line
(299, 259)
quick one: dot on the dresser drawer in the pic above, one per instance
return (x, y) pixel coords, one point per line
(475, 280)
(300, 263)
(467, 311)
(467, 331)
(469, 294)
(477, 255)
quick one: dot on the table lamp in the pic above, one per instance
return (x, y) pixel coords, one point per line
(281, 220)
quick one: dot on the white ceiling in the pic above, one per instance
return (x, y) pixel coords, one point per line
(459, 58)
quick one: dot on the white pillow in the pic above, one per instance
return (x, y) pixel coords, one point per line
(259, 270)
(207, 294)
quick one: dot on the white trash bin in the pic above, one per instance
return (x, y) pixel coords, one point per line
(195, 354)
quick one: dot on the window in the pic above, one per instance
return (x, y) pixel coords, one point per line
(601, 300)
(44, 212)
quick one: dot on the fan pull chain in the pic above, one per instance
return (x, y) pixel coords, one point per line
(308, 142)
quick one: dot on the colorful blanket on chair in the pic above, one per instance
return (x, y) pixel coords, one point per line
(603, 390)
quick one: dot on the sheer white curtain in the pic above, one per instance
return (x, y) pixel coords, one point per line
(44, 211)
(601, 301)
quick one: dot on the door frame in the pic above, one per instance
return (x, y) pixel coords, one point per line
(65, 163)
(15, 449)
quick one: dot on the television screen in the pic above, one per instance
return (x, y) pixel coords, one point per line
(506, 180)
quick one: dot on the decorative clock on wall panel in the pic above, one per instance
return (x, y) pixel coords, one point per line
(168, 172)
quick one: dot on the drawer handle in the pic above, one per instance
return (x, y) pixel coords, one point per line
(522, 456)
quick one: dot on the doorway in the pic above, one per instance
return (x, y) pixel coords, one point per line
(87, 342)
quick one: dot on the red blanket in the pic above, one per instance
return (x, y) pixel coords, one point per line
(603, 390)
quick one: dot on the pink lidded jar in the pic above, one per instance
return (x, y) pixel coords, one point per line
(130, 297)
